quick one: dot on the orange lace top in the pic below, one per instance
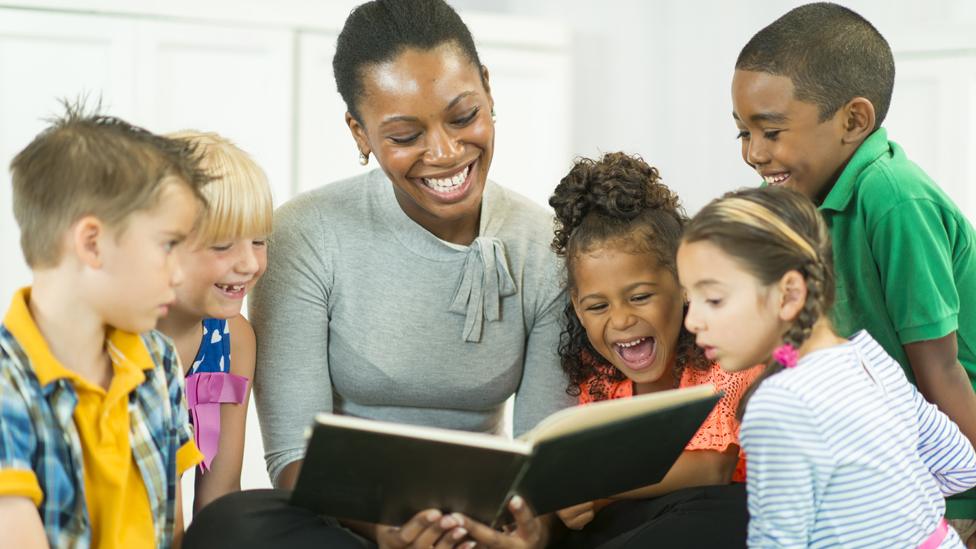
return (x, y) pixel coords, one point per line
(720, 428)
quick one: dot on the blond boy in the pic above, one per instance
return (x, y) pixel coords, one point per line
(94, 430)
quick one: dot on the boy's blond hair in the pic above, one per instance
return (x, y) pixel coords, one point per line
(91, 164)
(239, 197)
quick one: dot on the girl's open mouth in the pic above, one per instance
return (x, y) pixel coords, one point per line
(637, 354)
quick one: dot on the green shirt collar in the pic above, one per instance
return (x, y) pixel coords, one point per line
(840, 195)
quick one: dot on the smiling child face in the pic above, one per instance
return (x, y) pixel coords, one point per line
(218, 276)
(631, 309)
(783, 138)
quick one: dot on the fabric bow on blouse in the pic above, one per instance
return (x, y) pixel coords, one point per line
(485, 280)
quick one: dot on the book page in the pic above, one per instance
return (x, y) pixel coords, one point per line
(450, 436)
(580, 418)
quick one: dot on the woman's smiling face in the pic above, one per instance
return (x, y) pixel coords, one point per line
(426, 117)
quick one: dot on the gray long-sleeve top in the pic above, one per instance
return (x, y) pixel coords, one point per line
(363, 312)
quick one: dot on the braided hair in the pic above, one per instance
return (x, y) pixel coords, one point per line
(618, 201)
(772, 231)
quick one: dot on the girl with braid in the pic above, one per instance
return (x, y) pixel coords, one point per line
(618, 229)
(842, 450)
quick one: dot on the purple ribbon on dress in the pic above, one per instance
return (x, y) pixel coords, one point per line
(205, 392)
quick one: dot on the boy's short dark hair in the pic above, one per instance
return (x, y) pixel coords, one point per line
(91, 164)
(831, 54)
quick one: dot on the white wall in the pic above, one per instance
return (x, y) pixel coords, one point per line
(650, 77)
(261, 75)
(653, 77)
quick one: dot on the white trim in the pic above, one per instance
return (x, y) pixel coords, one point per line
(450, 436)
(291, 13)
(933, 53)
(306, 15)
(940, 40)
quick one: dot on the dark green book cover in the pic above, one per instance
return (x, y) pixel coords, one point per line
(385, 472)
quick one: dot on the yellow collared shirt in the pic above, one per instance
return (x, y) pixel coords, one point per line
(116, 470)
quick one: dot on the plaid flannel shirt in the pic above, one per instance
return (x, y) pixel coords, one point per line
(37, 433)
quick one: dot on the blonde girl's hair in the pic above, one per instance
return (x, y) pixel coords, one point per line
(769, 232)
(239, 196)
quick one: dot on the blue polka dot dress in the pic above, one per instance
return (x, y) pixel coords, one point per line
(214, 352)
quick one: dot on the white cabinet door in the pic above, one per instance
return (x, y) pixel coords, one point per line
(45, 57)
(235, 81)
(162, 75)
(933, 116)
(238, 82)
(532, 130)
(325, 148)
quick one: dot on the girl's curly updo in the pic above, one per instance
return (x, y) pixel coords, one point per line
(617, 201)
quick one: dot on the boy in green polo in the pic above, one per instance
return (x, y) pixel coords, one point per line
(809, 95)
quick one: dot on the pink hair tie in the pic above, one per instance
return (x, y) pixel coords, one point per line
(786, 354)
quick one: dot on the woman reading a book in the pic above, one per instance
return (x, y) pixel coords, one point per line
(419, 292)
(618, 228)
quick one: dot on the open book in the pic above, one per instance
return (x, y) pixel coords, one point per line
(386, 472)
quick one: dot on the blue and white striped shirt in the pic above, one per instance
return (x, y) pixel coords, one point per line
(842, 451)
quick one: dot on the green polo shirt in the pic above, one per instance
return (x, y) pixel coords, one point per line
(905, 261)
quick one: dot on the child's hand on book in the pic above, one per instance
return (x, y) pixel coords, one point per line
(577, 516)
(427, 529)
(529, 532)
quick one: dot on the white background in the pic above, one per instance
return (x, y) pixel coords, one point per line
(575, 77)
(653, 77)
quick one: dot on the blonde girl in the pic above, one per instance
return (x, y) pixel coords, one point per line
(223, 259)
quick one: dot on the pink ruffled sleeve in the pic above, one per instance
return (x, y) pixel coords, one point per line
(205, 392)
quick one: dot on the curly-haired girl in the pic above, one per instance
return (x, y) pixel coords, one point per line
(618, 229)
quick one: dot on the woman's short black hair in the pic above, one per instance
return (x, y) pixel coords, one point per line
(379, 30)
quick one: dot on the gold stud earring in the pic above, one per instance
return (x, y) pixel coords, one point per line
(363, 158)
